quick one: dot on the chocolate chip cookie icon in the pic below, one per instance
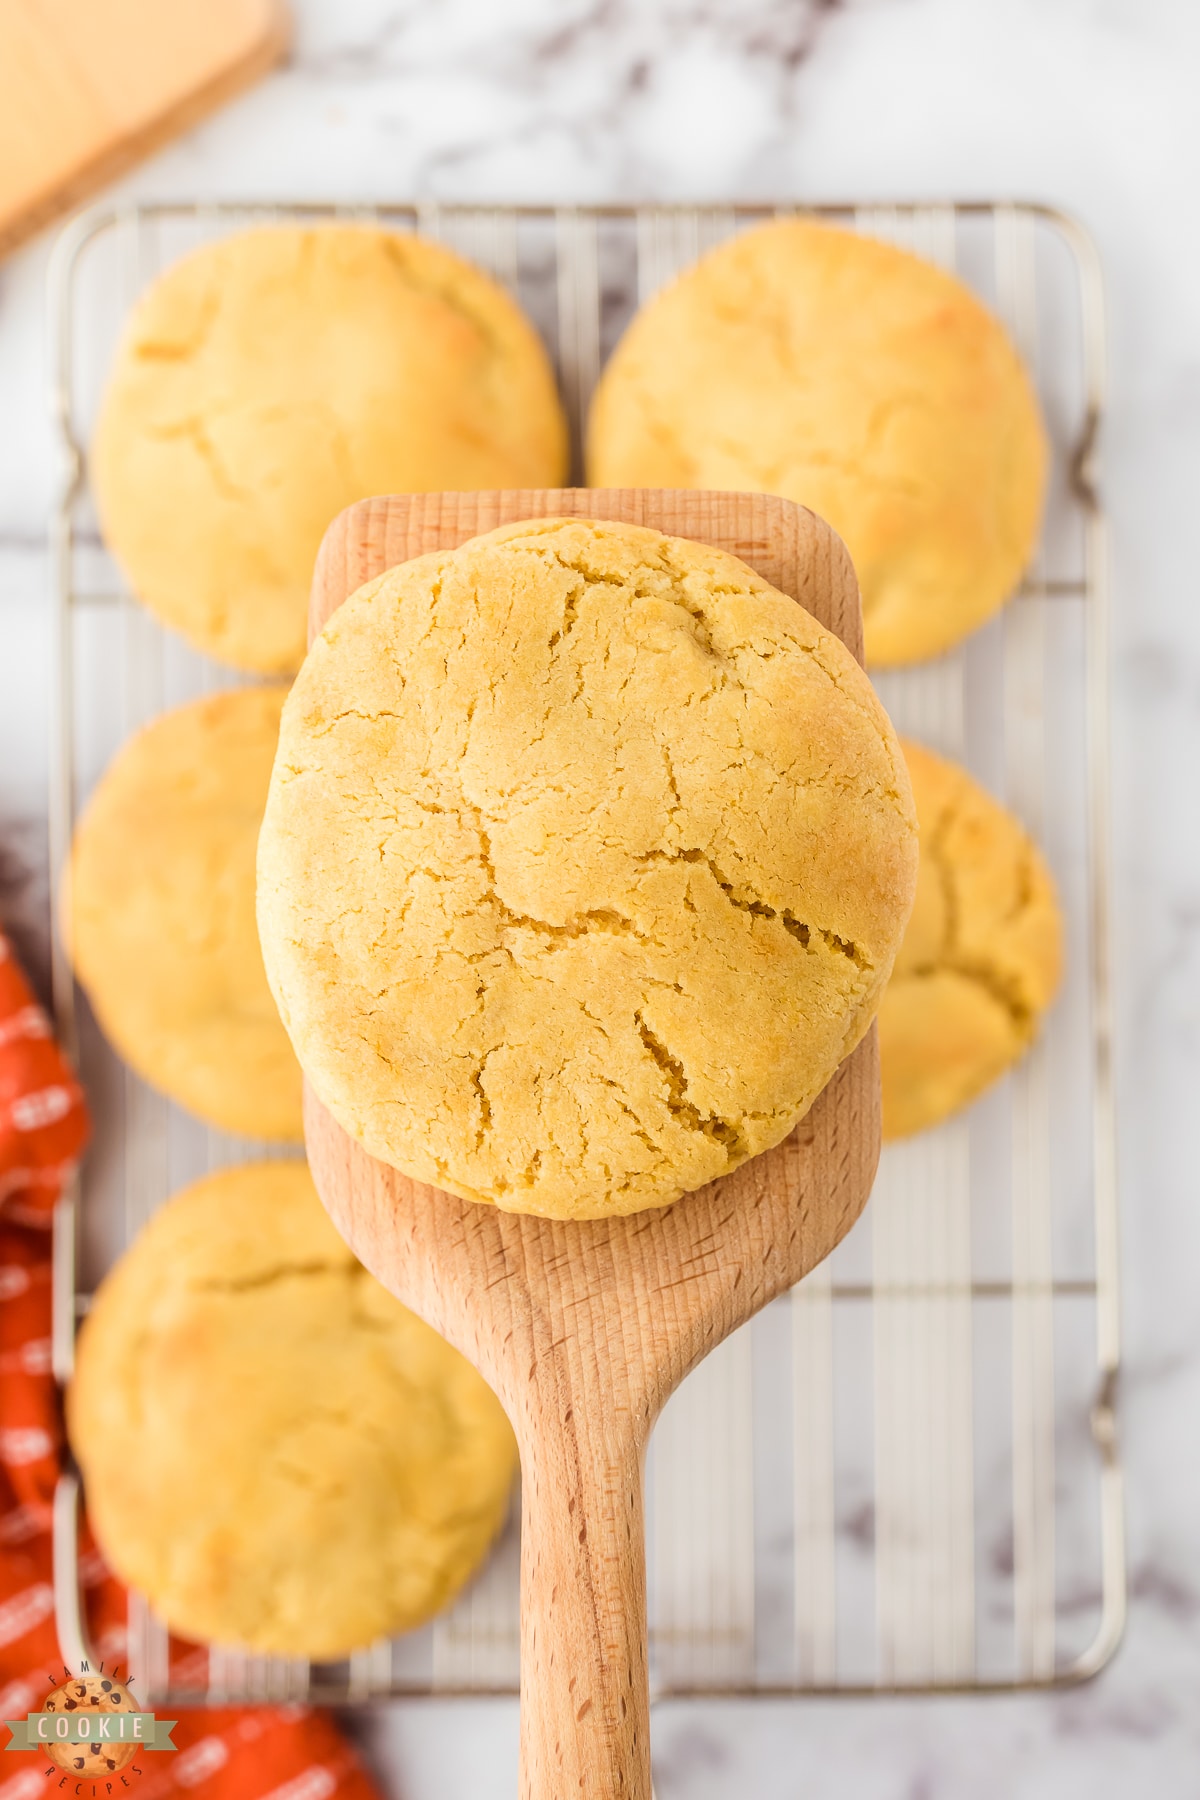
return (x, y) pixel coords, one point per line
(91, 1694)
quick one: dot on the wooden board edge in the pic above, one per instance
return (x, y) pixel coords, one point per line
(263, 55)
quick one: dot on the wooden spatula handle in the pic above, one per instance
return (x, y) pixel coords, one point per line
(585, 1705)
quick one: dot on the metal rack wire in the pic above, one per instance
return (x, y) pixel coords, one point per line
(904, 1476)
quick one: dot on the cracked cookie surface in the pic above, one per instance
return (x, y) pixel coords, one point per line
(981, 958)
(277, 1453)
(805, 360)
(158, 914)
(268, 380)
(586, 858)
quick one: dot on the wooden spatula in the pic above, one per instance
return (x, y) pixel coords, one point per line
(584, 1330)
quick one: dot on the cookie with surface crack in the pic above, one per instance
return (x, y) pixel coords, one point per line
(981, 959)
(277, 1453)
(585, 861)
(158, 913)
(268, 380)
(805, 360)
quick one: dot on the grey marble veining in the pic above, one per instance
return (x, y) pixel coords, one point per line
(1086, 102)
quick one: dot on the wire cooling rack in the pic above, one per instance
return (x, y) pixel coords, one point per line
(904, 1475)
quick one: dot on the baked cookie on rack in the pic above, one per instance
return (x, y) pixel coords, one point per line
(585, 861)
(276, 1453)
(269, 379)
(981, 958)
(158, 914)
(806, 360)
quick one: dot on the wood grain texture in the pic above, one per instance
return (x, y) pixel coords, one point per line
(584, 1330)
(88, 87)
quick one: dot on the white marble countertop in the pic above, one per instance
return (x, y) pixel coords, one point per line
(1089, 103)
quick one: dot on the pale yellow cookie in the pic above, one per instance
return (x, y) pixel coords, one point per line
(981, 959)
(586, 857)
(276, 1452)
(158, 914)
(808, 361)
(268, 380)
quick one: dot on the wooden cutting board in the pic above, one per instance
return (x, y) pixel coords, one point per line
(88, 87)
(584, 1329)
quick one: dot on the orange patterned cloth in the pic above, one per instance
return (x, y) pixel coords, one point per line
(277, 1753)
